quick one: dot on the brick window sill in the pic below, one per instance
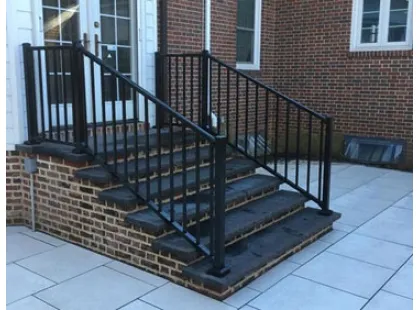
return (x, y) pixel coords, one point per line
(377, 54)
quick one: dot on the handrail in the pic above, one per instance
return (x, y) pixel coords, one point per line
(250, 78)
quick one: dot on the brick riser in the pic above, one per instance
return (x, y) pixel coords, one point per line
(68, 208)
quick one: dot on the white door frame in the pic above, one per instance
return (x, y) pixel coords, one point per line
(145, 43)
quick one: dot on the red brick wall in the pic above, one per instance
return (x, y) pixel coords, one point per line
(368, 94)
(305, 55)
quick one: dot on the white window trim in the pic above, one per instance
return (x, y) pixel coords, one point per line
(257, 41)
(382, 44)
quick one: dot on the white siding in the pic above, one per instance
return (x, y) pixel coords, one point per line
(19, 30)
(148, 47)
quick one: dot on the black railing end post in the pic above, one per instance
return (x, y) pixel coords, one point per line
(329, 121)
(31, 108)
(205, 90)
(219, 268)
(79, 104)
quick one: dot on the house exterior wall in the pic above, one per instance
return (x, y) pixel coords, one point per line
(368, 93)
(305, 54)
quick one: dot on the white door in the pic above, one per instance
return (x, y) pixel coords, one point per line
(108, 29)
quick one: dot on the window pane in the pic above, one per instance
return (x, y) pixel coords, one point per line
(50, 2)
(107, 30)
(51, 25)
(246, 13)
(398, 18)
(107, 7)
(70, 26)
(369, 36)
(123, 8)
(244, 46)
(110, 88)
(124, 60)
(124, 88)
(123, 31)
(69, 4)
(109, 57)
(370, 19)
(399, 4)
(396, 34)
(371, 5)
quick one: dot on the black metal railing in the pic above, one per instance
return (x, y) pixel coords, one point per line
(284, 137)
(73, 97)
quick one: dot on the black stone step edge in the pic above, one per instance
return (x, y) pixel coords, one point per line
(100, 175)
(187, 253)
(151, 223)
(314, 229)
(67, 151)
(126, 199)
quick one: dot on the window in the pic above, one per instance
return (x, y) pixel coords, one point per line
(382, 25)
(248, 33)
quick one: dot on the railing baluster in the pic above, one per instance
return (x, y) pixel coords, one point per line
(321, 139)
(66, 128)
(256, 122)
(184, 180)
(266, 127)
(57, 94)
(170, 81)
(147, 151)
(308, 172)
(171, 169)
(41, 94)
(136, 142)
(210, 94)
(327, 167)
(177, 83)
(286, 155)
(211, 197)
(159, 164)
(276, 134)
(218, 100)
(92, 80)
(184, 88)
(297, 147)
(104, 138)
(192, 89)
(246, 114)
(114, 120)
(125, 130)
(227, 105)
(197, 186)
(47, 66)
(237, 111)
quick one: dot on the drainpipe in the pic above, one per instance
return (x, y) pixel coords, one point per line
(207, 25)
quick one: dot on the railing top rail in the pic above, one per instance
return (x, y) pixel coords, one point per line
(181, 55)
(51, 47)
(149, 96)
(294, 102)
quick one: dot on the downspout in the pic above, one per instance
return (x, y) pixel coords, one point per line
(207, 25)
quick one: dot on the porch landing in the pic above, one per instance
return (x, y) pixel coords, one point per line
(365, 262)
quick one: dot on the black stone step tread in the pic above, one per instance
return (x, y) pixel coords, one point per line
(100, 175)
(236, 192)
(59, 150)
(66, 151)
(238, 222)
(124, 197)
(251, 254)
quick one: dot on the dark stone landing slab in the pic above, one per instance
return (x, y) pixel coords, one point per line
(236, 192)
(124, 197)
(251, 254)
(239, 221)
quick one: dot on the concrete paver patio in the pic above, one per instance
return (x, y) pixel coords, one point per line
(364, 263)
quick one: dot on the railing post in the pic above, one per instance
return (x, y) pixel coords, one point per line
(31, 108)
(79, 104)
(219, 269)
(205, 91)
(327, 167)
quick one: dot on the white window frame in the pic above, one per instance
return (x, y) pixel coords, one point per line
(382, 44)
(255, 65)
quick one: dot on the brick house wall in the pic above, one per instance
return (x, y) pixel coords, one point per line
(305, 55)
(368, 93)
